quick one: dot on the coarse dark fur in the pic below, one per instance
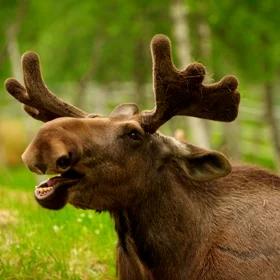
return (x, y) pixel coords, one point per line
(179, 211)
(224, 229)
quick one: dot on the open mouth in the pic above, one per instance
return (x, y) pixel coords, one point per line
(52, 193)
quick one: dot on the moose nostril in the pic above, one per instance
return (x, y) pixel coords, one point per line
(41, 167)
(63, 162)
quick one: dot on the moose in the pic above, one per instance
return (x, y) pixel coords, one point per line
(180, 211)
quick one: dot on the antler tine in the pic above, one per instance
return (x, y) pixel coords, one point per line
(39, 102)
(182, 92)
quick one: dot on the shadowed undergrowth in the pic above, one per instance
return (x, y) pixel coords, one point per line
(36, 243)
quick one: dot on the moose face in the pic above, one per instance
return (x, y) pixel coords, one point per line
(110, 163)
(100, 161)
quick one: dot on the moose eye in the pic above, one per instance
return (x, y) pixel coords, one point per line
(134, 135)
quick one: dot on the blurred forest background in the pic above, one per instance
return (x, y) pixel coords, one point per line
(96, 55)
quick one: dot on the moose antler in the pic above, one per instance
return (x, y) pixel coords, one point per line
(176, 92)
(38, 101)
(182, 92)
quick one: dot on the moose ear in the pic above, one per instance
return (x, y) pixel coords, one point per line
(126, 111)
(203, 165)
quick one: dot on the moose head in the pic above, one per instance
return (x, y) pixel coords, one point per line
(108, 163)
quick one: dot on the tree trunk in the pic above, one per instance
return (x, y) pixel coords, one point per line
(11, 40)
(203, 52)
(183, 46)
(139, 72)
(13, 52)
(83, 83)
(272, 121)
(204, 38)
(232, 140)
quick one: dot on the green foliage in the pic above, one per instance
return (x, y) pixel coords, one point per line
(244, 35)
(108, 42)
(36, 243)
(70, 36)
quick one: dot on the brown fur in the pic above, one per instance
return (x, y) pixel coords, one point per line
(226, 229)
(177, 214)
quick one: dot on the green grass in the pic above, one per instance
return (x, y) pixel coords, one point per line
(37, 243)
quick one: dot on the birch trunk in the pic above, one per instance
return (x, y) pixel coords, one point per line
(178, 12)
(204, 52)
(83, 86)
(139, 73)
(11, 40)
(13, 52)
(271, 120)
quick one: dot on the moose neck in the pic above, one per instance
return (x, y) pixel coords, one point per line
(168, 221)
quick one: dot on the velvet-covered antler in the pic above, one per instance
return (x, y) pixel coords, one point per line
(38, 101)
(182, 92)
(176, 92)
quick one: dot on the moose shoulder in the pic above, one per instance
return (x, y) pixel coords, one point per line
(181, 212)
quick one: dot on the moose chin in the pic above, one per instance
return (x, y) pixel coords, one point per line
(180, 211)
